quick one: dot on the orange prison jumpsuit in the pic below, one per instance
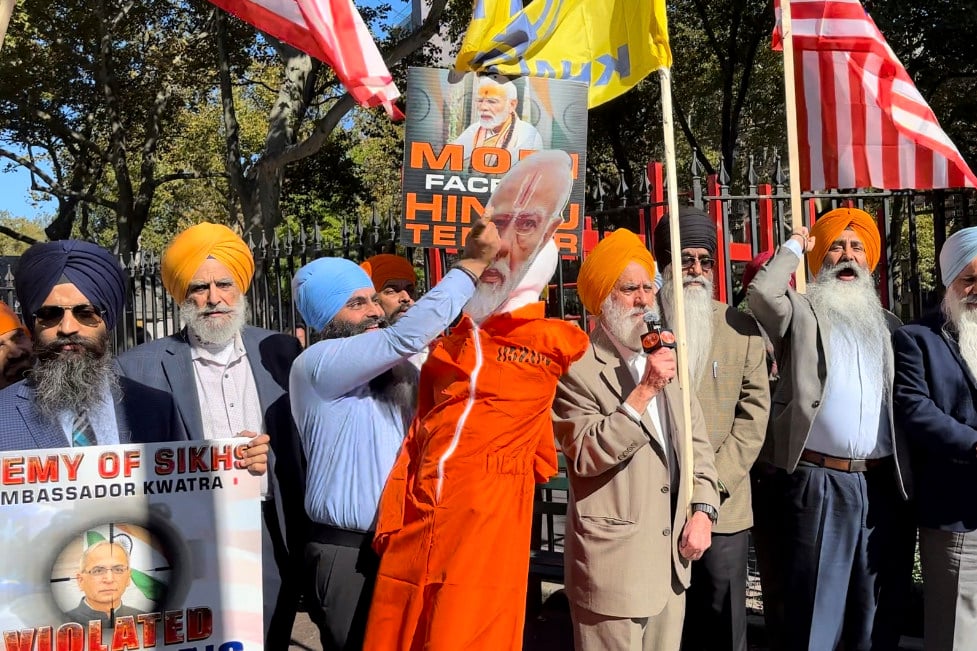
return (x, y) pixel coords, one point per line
(453, 573)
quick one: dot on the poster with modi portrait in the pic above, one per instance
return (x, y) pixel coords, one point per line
(465, 131)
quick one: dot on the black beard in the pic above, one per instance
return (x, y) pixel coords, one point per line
(398, 386)
(70, 381)
(338, 329)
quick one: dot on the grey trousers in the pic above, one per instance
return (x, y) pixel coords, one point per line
(949, 561)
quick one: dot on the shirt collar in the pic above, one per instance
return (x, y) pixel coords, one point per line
(225, 353)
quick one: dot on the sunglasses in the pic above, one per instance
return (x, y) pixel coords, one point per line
(688, 261)
(85, 314)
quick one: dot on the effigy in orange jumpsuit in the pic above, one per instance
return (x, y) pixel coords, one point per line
(456, 514)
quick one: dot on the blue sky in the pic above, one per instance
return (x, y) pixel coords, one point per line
(15, 197)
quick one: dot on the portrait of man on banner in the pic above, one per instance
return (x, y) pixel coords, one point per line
(497, 123)
(110, 571)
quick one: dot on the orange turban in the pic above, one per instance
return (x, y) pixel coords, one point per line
(606, 262)
(829, 227)
(189, 249)
(385, 267)
(9, 320)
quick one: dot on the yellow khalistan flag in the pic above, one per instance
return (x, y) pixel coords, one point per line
(611, 44)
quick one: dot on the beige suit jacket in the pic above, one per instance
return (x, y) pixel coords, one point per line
(800, 340)
(621, 548)
(734, 393)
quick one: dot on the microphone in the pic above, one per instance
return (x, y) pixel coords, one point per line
(657, 336)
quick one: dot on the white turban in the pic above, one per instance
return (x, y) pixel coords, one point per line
(959, 251)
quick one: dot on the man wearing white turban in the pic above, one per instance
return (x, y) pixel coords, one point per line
(935, 394)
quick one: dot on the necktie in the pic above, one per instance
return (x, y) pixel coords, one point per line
(82, 433)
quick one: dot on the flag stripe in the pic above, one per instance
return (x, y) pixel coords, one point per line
(865, 123)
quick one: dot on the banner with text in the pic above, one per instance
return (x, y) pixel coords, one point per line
(464, 132)
(130, 547)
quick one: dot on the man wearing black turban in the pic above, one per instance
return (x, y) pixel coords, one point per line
(72, 294)
(727, 368)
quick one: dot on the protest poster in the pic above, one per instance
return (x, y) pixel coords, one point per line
(464, 131)
(112, 548)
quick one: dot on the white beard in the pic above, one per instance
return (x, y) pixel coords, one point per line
(493, 122)
(964, 320)
(855, 305)
(211, 333)
(620, 321)
(490, 297)
(699, 326)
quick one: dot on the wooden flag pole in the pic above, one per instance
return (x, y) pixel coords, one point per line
(793, 148)
(675, 246)
(6, 9)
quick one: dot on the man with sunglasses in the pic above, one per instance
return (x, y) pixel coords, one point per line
(72, 294)
(727, 368)
(103, 577)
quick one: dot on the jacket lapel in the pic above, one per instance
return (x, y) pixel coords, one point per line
(44, 433)
(954, 347)
(178, 368)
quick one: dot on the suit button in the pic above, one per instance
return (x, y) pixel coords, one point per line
(664, 489)
(667, 532)
(815, 404)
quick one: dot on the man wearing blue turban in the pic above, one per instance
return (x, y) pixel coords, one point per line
(352, 398)
(934, 399)
(72, 294)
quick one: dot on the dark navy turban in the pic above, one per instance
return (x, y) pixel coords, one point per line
(93, 270)
(697, 232)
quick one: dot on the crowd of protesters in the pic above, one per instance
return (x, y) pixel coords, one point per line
(399, 453)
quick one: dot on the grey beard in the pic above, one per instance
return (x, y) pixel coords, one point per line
(620, 323)
(72, 382)
(337, 329)
(855, 305)
(699, 325)
(964, 322)
(209, 333)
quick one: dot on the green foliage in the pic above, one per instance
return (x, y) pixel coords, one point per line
(22, 225)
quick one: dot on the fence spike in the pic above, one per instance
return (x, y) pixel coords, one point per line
(778, 170)
(696, 165)
(622, 186)
(751, 174)
(723, 174)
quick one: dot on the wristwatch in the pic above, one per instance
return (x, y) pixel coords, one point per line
(707, 509)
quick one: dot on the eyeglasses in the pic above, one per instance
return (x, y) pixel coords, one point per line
(116, 570)
(86, 314)
(688, 261)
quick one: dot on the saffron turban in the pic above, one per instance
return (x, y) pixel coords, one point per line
(189, 249)
(9, 320)
(959, 251)
(321, 288)
(697, 232)
(385, 267)
(831, 225)
(93, 270)
(601, 269)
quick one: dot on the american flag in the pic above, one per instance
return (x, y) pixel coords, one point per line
(861, 120)
(332, 31)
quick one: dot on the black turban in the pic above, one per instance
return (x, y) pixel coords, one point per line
(697, 232)
(93, 270)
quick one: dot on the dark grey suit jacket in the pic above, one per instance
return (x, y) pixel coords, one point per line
(166, 364)
(800, 341)
(149, 417)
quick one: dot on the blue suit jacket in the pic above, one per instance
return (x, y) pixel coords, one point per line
(934, 398)
(166, 364)
(150, 416)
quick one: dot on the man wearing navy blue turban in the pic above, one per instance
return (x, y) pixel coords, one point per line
(352, 398)
(72, 293)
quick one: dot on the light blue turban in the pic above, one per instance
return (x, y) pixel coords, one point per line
(322, 287)
(959, 251)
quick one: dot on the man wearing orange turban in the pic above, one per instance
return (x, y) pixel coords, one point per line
(837, 453)
(16, 349)
(395, 281)
(629, 542)
(231, 379)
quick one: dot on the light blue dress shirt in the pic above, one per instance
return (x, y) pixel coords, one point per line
(350, 439)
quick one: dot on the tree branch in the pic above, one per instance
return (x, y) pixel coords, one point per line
(189, 175)
(20, 237)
